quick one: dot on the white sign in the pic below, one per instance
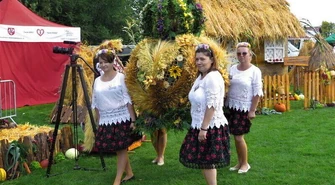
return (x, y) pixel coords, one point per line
(11, 33)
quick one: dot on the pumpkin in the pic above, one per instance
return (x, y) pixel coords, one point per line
(280, 107)
(72, 153)
(3, 174)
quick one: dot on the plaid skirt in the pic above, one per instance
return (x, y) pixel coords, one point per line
(212, 153)
(238, 121)
(114, 137)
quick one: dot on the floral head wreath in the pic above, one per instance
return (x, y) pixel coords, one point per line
(203, 46)
(106, 51)
(243, 44)
(117, 64)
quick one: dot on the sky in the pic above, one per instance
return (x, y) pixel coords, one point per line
(315, 11)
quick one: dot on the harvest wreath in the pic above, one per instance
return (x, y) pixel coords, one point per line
(159, 76)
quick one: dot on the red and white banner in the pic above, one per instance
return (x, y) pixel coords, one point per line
(11, 33)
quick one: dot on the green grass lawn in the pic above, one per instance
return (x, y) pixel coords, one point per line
(295, 148)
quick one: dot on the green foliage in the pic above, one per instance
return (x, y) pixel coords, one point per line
(59, 157)
(298, 91)
(35, 165)
(177, 119)
(292, 148)
(98, 20)
(40, 7)
(166, 19)
(132, 29)
(327, 28)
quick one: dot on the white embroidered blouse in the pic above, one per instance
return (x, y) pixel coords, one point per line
(207, 92)
(111, 99)
(244, 85)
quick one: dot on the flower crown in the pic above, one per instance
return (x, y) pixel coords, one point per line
(106, 51)
(243, 44)
(203, 46)
(117, 63)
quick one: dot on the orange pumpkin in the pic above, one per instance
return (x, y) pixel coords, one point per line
(280, 107)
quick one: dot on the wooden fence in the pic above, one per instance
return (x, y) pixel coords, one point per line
(276, 90)
(297, 77)
(316, 89)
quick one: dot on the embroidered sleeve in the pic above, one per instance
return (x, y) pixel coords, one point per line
(213, 89)
(125, 94)
(257, 84)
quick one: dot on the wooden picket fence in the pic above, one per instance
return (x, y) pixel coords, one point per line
(297, 79)
(276, 90)
(315, 89)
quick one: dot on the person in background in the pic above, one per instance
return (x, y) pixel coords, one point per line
(206, 144)
(115, 114)
(159, 140)
(243, 96)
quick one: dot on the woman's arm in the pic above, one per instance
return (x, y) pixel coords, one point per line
(209, 113)
(132, 114)
(253, 107)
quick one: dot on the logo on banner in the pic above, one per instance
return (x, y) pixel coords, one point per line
(68, 33)
(40, 32)
(11, 31)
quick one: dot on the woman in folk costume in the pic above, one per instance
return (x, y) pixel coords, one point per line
(206, 144)
(244, 93)
(115, 113)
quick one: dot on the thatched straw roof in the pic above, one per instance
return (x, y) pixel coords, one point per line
(321, 55)
(250, 19)
(307, 48)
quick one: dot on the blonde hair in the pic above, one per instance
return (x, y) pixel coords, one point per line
(246, 45)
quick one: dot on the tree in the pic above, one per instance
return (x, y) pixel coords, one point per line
(133, 27)
(327, 28)
(98, 20)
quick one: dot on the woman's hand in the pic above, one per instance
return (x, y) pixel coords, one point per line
(202, 135)
(132, 125)
(251, 115)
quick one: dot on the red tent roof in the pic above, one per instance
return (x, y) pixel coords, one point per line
(12, 12)
(31, 65)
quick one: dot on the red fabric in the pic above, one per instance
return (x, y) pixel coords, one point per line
(12, 12)
(34, 68)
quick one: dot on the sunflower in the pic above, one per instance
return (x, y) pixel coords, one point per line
(175, 71)
(149, 81)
